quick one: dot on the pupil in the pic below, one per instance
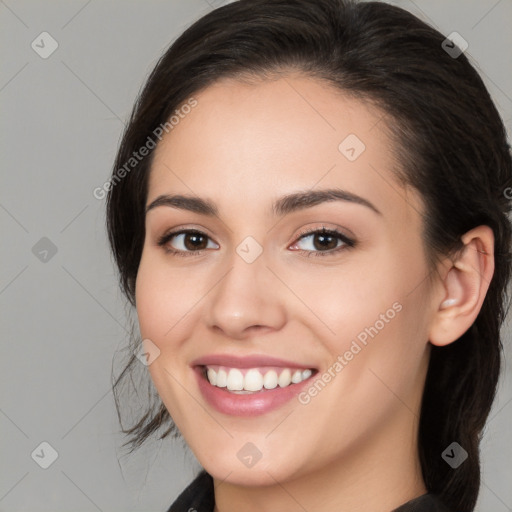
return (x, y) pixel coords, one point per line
(196, 241)
(324, 241)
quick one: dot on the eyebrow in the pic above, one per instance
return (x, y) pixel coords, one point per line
(282, 206)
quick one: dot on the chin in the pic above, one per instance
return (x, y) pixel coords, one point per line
(237, 468)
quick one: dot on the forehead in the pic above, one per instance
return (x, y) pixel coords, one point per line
(243, 143)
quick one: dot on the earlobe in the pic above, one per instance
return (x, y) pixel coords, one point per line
(464, 287)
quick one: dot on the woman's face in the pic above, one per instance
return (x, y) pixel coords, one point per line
(257, 295)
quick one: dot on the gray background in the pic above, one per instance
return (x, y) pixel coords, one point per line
(63, 318)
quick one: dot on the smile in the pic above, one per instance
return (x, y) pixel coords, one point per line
(250, 385)
(253, 380)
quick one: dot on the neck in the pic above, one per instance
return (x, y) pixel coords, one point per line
(379, 476)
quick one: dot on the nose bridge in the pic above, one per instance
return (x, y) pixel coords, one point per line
(244, 296)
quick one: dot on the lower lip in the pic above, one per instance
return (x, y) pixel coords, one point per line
(252, 404)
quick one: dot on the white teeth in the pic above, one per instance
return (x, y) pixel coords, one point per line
(212, 376)
(222, 379)
(254, 379)
(297, 377)
(270, 380)
(235, 380)
(285, 378)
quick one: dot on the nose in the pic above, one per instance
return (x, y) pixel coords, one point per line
(248, 298)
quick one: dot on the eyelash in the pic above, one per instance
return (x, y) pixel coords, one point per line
(348, 242)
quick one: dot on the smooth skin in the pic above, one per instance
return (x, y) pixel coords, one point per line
(246, 144)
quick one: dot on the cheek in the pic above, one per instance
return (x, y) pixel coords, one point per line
(167, 298)
(157, 294)
(382, 297)
(151, 308)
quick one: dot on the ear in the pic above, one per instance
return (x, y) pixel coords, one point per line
(464, 286)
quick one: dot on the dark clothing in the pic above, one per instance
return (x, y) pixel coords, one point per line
(199, 497)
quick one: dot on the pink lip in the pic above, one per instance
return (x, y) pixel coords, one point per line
(253, 404)
(246, 405)
(253, 361)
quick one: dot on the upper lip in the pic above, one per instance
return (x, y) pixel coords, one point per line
(252, 361)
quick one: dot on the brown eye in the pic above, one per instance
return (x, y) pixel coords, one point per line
(323, 242)
(186, 241)
(194, 241)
